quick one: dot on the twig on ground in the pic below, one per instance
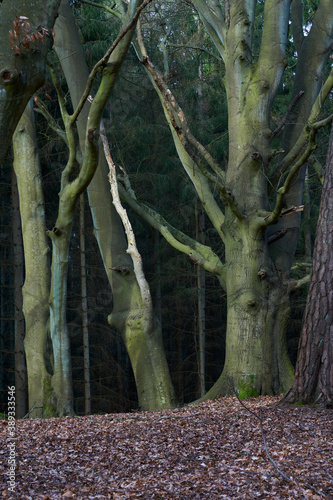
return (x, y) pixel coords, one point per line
(259, 417)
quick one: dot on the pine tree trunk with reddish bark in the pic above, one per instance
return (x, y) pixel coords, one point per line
(313, 381)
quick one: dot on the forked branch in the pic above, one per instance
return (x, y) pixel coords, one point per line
(195, 150)
(201, 254)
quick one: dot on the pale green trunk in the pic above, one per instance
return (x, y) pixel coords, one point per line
(256, 360)
(36, 250)
(62, 369)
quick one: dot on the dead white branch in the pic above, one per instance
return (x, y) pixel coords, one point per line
(132, 247)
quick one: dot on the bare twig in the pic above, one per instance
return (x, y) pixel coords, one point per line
(285, 118)
(32, 409)
(259, 417)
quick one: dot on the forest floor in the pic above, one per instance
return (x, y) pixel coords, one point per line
(212, 450)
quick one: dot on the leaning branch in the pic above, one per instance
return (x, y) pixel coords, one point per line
(201, 254)
(285, 118)
(132, 249)
(102, 63)
(214, 22)
(307, 136)
(69, 130)
(272, 219)
(192, 146)
(303, 138)
(296, 284)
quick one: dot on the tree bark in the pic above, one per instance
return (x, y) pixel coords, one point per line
(259, 244)
(22, 69)
(37, 278)
(146, 351)
(84, 311)
(313, 381)
(20, 365)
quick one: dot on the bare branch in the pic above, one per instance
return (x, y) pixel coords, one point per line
(132, 247)
(42, 110)
(199, 253)
(69, 130)
(104, 7)
(102, 63)
(296, 284)
(193, 47)
(272, 219)
(188, 141)
(285, 118)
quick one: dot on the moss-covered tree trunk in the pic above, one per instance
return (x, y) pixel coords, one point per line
(145, 347)
(62, 366)
(256, 360)
(258, 231)
(36, 286)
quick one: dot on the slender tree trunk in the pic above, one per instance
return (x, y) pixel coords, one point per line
(84, 309)
(157, 277)
(20, 366)
(313, 381)
(36, 251)
(201, 326)
(62, 374)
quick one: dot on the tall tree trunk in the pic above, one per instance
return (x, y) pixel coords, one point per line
(84, 309)
(62, 371)
(157, 277)
(313, 381)
(201, 322)
(20, 366)
(307, 216)
(256, 360)
(36, 251)
(146, 352)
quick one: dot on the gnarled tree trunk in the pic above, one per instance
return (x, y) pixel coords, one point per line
(22, 68)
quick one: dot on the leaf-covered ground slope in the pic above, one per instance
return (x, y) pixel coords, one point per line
(212, 450)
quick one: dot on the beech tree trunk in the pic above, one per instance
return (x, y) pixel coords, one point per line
(153, 381)
(259, 240)
(313, 381)
(36, 286)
